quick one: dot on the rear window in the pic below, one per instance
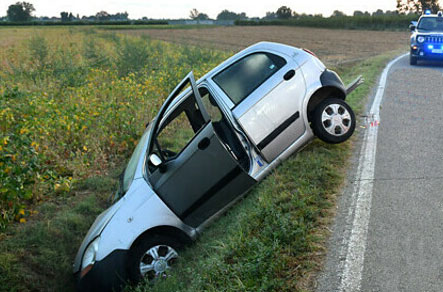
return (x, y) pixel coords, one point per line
(247, 74)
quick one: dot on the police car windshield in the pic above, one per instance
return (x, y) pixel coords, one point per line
(431, 24)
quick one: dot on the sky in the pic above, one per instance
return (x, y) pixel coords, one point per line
(173, 9)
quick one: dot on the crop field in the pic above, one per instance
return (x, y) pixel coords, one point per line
(74, 101)
(333, 46)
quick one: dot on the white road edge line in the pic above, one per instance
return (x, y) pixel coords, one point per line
(353, 265)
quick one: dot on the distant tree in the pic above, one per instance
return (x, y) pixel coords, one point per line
(229, 15)
(270, 15)
(102, 15)
(284, 12)
(337, 13)
(378, 12)
(417, 6)
(20, 11)
(202, 16)
(358, 13)
(64, 16)
(193, 14)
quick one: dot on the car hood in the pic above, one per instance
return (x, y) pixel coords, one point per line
(97, 227)
(429, 33)
(131, 196)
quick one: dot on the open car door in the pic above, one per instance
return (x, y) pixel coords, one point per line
(189, 167)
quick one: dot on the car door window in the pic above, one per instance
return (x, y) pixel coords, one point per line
(244, 76)
(223, 129)
(179, 129)
(211, 106)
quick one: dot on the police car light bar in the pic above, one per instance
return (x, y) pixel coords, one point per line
(427, 11)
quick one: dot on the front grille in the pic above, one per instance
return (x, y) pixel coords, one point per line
(434, 39)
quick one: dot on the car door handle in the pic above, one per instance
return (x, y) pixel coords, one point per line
(289, 75)
(204, 143)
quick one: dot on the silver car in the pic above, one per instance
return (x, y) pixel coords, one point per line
(211, 141)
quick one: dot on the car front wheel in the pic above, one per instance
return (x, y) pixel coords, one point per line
(333, 121)
(412, 60)
(152, 257)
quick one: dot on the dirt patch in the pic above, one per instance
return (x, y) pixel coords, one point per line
(333, 46)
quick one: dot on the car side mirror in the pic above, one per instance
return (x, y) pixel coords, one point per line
(412, 27)
(157, 162)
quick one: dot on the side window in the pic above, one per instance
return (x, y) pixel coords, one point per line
(179, 129)
(210, 105)
(247, 74)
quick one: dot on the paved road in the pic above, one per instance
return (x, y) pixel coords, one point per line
(402, 246)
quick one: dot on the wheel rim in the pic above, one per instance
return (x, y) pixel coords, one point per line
(336, 119)
(157, 260)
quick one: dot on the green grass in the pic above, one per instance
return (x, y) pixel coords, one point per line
(38, 255)
(273, 240)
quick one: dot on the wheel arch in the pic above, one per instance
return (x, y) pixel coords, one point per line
(321, 94)
(164, 230)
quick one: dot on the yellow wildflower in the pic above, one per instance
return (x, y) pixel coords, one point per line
(22, 220)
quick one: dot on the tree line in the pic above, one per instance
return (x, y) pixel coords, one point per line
(22, 12)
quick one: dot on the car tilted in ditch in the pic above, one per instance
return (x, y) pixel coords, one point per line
(211, 141)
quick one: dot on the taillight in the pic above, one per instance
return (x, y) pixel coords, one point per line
(310, 52)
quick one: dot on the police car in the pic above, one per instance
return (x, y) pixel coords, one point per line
(427, 38)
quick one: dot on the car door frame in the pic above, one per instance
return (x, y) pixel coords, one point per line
(231, 183)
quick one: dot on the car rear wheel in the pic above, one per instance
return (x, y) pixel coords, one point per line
(412, 60)
(333, 121)
(152, 257)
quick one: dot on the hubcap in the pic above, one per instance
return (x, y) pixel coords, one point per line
(157, 260)
(336, 119)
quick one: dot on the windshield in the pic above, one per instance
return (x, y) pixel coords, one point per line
(431, 24)
(128, 174)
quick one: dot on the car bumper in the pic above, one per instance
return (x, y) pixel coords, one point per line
(422, 52)
(109, 274)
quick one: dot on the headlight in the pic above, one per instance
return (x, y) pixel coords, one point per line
(89, 257)
(420, 39)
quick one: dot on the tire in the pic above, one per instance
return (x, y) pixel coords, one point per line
(412, 60)
(152, 257)
(333, 121)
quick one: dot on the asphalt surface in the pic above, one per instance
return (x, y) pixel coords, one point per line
(403, 249)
